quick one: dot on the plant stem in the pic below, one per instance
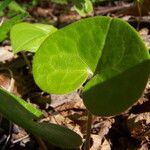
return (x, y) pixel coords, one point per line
(40, 142)
(140, 13)
(88, 132)
(27, 61)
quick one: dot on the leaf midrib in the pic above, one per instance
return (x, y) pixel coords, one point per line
(89, 70)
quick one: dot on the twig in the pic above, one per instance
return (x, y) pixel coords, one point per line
(20, 139)
(140, 14)
(88, 132)
(112, 9)
(1, 22)
(8, 137)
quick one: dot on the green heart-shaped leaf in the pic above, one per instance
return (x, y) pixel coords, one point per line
(107, 49)
(23, 114)
(25, 36)
(116, 94)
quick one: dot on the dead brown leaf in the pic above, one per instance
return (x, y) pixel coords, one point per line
(134, 10)
(6, 54)
(139, 125)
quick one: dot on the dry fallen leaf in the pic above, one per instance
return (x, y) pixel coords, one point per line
(144, 147)
(57, 100)
(59, 119)
(139, 125)
(134, 10)
(106, 145)
(6, 54)
(97, 141)
(103, 127)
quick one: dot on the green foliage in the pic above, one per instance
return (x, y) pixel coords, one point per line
(83, 7)
(6, 26)
(107, 51)
(14, 6)
(60, 1)
(24, 114)
(111, 97)
(14, 10)
(115, 67)
(25, 36)
(4, 4)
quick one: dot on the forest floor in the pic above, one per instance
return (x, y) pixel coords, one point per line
(127, 131)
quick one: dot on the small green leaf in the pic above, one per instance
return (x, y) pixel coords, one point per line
(109, 51)
(25, 36)
(23, 114)
(83, 7)
(4, 4)
(14, 6)
(12, 104)
(59, 1)
(6, 26)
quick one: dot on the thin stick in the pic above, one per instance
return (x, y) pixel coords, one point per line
(1, 22)
(20, 139)
(8, 137)
(112, 9)
(88, 132)
(139, 3)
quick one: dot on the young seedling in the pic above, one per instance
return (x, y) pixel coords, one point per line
(29, 37)
(107, 54)
(106, 50)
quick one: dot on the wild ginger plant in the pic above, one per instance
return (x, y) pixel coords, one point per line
(106, 50)
(104, 54)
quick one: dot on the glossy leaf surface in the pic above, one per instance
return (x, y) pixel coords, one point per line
(23, 114)
(25, 36)
(107, 49)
